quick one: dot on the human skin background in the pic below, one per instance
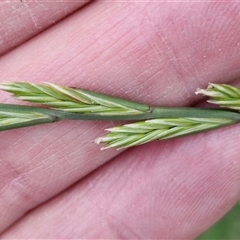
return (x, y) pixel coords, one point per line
(56, 183)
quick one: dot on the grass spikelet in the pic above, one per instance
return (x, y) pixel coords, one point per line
(223, 95)
(139, 133)
(73, 100)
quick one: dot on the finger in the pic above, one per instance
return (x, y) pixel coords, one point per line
(47, 159)
(176, 192)
(21, 20)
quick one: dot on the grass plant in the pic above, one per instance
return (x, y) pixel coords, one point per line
(153, 123)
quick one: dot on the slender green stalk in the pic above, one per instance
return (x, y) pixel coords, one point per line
(156, 112)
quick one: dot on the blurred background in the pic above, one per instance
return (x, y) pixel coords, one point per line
(228, 227)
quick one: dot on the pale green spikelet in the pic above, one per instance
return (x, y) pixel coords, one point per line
(72, 99)
(139, 133)
(14, 116)
(222, 94)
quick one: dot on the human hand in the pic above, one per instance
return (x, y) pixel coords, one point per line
(56, 183)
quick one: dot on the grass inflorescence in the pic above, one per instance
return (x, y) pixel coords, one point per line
(154, 123)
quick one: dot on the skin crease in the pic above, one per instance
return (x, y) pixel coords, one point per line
(56, 183)
(23, 20)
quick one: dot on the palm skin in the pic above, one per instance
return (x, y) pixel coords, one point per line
(56, 183)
